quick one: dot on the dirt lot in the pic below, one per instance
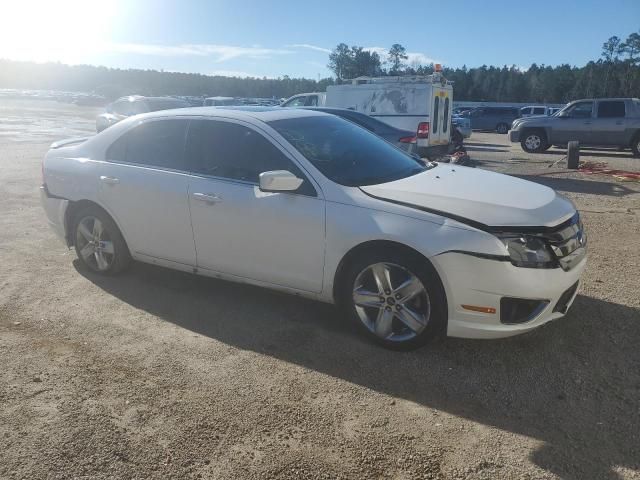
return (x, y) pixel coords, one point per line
(159, 374)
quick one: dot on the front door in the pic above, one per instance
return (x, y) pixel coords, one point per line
(574, 124)
(143, 185)
(276, 238)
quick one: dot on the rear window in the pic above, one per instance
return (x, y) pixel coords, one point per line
(345, 153)
(157, 143)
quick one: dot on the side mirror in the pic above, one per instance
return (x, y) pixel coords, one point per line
(279, 181)
(563, 115)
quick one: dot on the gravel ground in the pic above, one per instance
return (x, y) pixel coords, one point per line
(160, 374)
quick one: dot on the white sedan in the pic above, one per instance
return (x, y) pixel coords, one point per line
(311, 204)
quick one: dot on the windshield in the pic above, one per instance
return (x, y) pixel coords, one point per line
(346, 153)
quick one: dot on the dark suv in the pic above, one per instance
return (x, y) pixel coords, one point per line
(493, 118)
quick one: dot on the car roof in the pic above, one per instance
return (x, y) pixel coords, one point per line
(262, 113)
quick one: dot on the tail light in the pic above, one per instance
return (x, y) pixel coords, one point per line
(408, 139)
(423, 130)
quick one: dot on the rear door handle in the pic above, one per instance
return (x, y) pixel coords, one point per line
(209, 198)
(109, 180)
(587, 123)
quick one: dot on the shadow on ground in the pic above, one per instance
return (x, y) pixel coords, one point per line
(594, 187)
(573, 384)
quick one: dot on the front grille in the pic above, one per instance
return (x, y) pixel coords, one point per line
(520, 310)
(563, 302)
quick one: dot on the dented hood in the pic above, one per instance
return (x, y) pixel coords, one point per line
(477, 196)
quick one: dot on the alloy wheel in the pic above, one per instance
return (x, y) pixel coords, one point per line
(533, 142)
(391, 302)
(94, 244)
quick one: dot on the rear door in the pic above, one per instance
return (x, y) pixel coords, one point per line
(143, 185)
(609, 126)
(440, 116)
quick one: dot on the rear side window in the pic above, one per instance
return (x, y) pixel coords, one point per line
(233, 151)
(611, 109)
(538, 111)
(157, 143)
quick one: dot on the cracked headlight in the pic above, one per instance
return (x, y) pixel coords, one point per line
(528, 251)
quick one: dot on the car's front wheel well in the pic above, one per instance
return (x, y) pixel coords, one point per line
(364, 249)
(70, 217)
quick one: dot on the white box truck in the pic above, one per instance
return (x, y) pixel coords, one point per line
(422, 104)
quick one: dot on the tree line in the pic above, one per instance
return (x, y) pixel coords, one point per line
(615, 74)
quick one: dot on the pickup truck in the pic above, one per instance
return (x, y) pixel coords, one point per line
(602, 122)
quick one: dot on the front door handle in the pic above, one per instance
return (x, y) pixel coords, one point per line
(109, 180)
(209, 198)
(587, 123)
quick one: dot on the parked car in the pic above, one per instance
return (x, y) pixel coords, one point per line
(314, 99)
(309, 203)
(498, 119)
(535, 110)
(404, 139)
(220, 102)
(606, 122)
(133, 105)
(463, 124)
(461, 110)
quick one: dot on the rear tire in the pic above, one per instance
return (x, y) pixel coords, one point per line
(502, 128)
(395, 298)
(98, 242)
(534, 141)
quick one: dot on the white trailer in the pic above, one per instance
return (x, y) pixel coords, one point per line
(422, 104)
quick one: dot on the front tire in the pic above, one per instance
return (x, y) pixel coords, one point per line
(395, 298)
(534, 142)
(98, 242)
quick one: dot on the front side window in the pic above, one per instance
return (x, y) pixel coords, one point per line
(312, 101)
(579, 110)
(538, 111)
(296, 102)
(611, 109)
(157, 143)
(345, 153)
(233, 151)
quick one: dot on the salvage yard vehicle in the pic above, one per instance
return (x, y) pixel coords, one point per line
(417, 103)
(498, 119)
(133, 105)
(603, 122)
(311, 204)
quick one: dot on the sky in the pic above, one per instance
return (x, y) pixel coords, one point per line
(273, 38)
